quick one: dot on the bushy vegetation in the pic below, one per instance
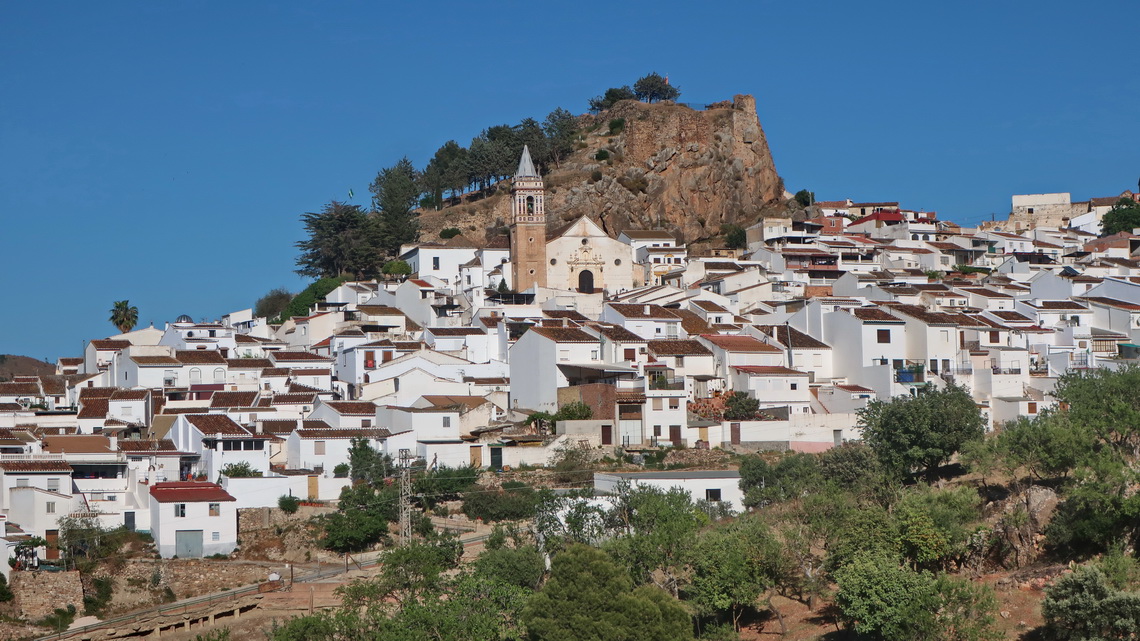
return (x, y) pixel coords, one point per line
(450, 232)
(308, 297)
(513, 502)
(288, 503)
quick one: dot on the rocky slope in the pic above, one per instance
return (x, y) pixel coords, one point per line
(12, 365)
(670, 167)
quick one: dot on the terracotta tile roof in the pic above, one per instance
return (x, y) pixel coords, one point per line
(199, 357)
(873, 314)
(155, 361)
(11, 407)
(35, 465)
(189, 492)
(275, 371)
(294, 399)
(709, 306)
(1112, 302)
(140, 447)
(246, 339)
(650, 311)
(454, 331)
(213, 424)
(565, 313)
(379, 310)
(926, 316)
(293, 357)
(1061, 304)
(490, 321)
(798, 339)
(564, 334)
(69, 361)
(692, 322)
(617, 333)
(768, 370)
(679, 347)
(1011, 316)
(353, 408)
(986, 293)
(233, 399)
(448, 400)
(331, 433)
(310, 372)
(19, 389)
(739, 343)
(130, 395)
(298, 388)
(93, 408)
(249, 363)
(96, 392)
(722, 266)
(108, 344)
(853, 388)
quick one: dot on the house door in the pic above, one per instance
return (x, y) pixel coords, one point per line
(314, 488)
(704, 434)
(586, 282)
(476, 456)
(188, 544)
(675, 435)
(129, 521)
(607, 435)
(734, 433)
(52, 537)
(496, 458)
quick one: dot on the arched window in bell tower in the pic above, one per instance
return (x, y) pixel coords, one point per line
(530, 205)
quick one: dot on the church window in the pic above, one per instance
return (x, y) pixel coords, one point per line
(531, 239)
(617, 261)
(532, 271)
(585, 241)
(530, 204)
(553, 261)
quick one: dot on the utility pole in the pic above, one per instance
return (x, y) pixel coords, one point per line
(405, 496)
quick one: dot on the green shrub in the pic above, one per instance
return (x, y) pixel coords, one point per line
(5, 591)
(288, 503)
(595, 175)
(60, 619)
(602, 155)
(617, 125)
(515, 501)
(449, 232)
(95, 604)
(396, 268)
(341, 470)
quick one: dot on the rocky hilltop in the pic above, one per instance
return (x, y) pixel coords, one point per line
(666, 167)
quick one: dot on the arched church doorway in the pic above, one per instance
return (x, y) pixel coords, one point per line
(586, 282)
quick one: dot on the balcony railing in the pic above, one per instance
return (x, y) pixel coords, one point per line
(906, 375)
(1006, 370)
(662, 383)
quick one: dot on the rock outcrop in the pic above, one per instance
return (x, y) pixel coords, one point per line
(669, 167)
(679, 169)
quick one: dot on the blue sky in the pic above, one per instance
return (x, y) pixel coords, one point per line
(162, 152)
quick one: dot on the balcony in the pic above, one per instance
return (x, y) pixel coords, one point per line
(910, 375)
(663, 383)
(1006, 371)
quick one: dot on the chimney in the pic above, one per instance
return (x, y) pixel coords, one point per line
(647, 310)
(114, 443)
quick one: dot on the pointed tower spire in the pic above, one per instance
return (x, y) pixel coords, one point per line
(526, 166)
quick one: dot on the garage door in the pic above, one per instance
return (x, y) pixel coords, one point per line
(188, 544)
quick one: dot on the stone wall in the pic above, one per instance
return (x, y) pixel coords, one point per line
(38, 594)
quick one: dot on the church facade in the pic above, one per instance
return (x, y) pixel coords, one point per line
(580, 256)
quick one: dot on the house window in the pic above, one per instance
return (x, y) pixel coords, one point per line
(712, 495)
(49, 507)
(195, 375)
(883, 335)
(53, 485)
(994, 337)
(594, 354)
(1032, 408)
(215, 509)
(319, 448)
(21, 482)
(435, 263)
(366, 422)
(674, 403)
(657, 430)
(219, 375)
(447, 421)
(657, 404)
(563, 354)
(180, 510)
(215, 536)
(630, 354)
(794, 386)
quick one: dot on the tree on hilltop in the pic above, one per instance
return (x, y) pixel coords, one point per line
(560, 128)
(612, 96)
(124, 316)
(342, 239)
(395, 195)
(1124, 216)
(653, 87)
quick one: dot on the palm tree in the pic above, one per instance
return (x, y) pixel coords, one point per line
(124, 316)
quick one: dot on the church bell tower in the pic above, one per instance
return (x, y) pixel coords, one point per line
(528, 226)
